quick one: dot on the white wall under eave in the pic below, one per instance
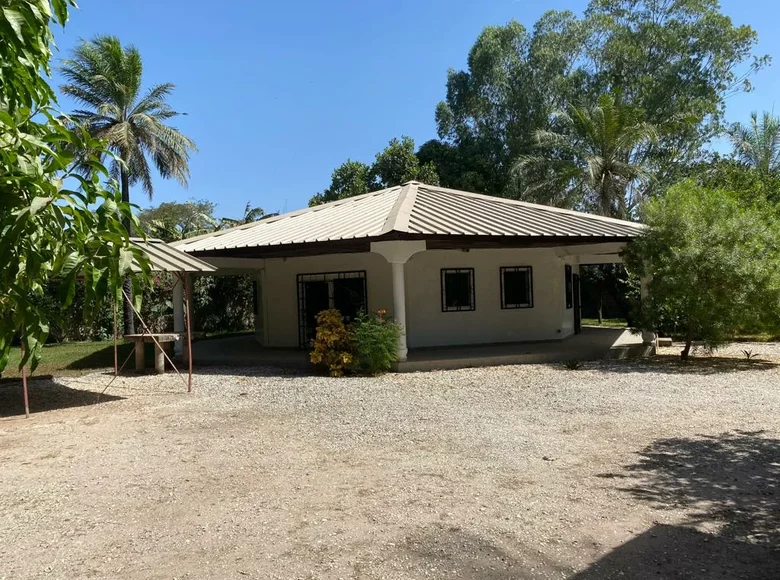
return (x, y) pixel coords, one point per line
(548, 319)
(281, 288)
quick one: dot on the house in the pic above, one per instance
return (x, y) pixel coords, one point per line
(455, 268)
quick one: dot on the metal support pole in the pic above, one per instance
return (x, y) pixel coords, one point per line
(24, 385)
(116, 348)
(188, 294)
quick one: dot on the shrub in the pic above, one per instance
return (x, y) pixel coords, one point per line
(714, 264)
(333, 344)
(376, 340)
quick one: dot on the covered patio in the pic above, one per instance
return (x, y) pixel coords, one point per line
(593, 343)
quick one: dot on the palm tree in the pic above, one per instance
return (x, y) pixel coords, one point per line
(251, 214)
(106, 79)
(758, 144)
(593, 159)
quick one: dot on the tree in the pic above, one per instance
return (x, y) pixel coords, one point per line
(172, 221)
(251, 214)
(106, 79)
(348, 179)
(394, 165)
(397, 164)
(646, 50)
(593, 159)
(514, 80)
(47, 229)
(758, 144)
(653, 49)
(714, 264)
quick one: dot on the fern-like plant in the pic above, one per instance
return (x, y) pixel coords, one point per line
(376, 342)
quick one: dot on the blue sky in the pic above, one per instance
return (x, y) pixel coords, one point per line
(280, 93)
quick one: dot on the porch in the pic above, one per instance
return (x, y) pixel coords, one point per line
(593, 343)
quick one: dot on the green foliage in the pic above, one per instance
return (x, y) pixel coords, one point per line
(757, 145)
(349, 179)
(751, 184)
(367, 346)
(251, 214)
(714, 262)
(376, 342)
(47, 229)
(397, 164)
(645, 50)
(333, 345)
(592, 160)
(514, 80)
(172, 221)
(106, 79)
(224, 303)
(572, 365)
(394, 165)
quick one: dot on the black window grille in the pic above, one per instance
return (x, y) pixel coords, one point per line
(517, 289)
(569, 287)
(457, 289)
(344, 291)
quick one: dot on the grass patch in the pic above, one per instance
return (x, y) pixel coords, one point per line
(606, 322)
(73, 358)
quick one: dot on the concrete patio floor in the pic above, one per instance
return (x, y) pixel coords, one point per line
(594, 343)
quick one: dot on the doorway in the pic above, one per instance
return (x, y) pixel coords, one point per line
(577, 304)
(344, 291)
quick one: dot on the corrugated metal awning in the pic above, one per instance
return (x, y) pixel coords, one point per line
(166, 258)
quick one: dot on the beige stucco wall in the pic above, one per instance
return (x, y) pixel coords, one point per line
(281, 291)
(488, 323)
(427, 325)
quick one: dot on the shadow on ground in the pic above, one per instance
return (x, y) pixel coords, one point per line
(728, 484)
(450, 552)
(46, 395)
(670, 364)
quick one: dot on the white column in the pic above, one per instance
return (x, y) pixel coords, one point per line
(397, 253)
(648, 336)
(399, 307)
(178, 314)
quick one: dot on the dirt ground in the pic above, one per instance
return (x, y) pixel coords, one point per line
(626, 470)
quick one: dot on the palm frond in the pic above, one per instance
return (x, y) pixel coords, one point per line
(105, 78)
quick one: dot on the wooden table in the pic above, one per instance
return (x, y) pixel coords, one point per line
(159, 358)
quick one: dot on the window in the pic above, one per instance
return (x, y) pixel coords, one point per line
(517, 287)
(569, 287)
(457, 289)
(344, 291)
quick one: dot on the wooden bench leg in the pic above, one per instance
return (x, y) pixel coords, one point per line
(140, 359)
(159, 360)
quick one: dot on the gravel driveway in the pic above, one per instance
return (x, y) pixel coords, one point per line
(629, 470)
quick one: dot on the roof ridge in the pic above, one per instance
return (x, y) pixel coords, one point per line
(517, 202)
(398, 217)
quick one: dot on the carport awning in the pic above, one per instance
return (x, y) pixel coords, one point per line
(166, 258)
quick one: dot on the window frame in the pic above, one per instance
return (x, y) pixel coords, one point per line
(328, 277)
(529, 269)
(472, 292)
(568, 287)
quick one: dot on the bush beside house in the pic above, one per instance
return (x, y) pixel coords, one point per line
(366, 346)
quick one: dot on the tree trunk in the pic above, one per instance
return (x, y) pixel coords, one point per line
(127, 310)
(601, 308)
(686, 351)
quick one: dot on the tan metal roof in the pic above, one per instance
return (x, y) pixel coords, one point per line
(416, 209)
(166, 258)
